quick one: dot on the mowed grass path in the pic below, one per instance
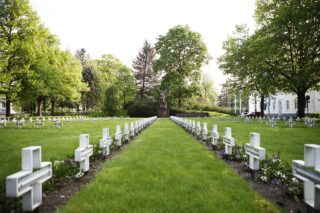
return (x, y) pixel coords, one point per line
(57, 144)
(166, 170)
(289, 142)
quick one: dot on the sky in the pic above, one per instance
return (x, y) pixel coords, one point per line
(120, 27)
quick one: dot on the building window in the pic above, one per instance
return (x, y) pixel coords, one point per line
(287, 104)
(274, 105)
(295, 103)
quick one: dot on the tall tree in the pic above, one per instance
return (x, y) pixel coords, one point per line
(90, 98)
(292, 30)
(18, 25)
(182, 54)
(143, 70)
(245, 62)
(125, 83)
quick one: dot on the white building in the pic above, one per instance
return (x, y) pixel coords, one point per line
(285, 104)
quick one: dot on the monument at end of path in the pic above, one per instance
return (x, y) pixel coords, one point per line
(163, 110)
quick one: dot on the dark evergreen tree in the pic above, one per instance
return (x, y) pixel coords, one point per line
(143, 70)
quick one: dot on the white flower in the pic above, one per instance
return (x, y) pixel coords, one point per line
(295, 180)
(79, 175)
(58, 162)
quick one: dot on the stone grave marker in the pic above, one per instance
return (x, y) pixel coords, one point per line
(132, 130)
(83, 152)
(58, 123)
(198, 129)
(290, 122)
(215, 136)
(118, 136)
(126, 133)
(205, 132)
(105, 142)
(228, 141)
(309, 172)
(30, 120)
(28, 182)
(255, 152)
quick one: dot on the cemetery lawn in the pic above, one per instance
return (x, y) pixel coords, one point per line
(289, 142)
(57, 144)
(166, 170)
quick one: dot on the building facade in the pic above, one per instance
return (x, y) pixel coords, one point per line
(285, 104)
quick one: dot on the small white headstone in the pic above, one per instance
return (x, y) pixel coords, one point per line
(83, 152)
(255, 152)
(132, 130)
(215, 135)
(105, 142)
(205, 132)
(228, 141)
(309, 172)
(118, 135)
(28, 183)
(126, 132)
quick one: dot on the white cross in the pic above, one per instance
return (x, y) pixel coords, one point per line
(132, 129)
(28, 183)
(126, 132)
(118, 135)
(228, 140)
(198, 129)
(105, 142)
(255, 152)
(136, 127)
(309, 172)
(205, 131)
(193, 127)
(83, 152)
(215, 135)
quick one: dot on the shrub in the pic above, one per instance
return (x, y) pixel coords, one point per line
(143, 108)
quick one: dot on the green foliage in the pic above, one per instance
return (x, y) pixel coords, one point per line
(112, 102)
(278, 172)
(146, 78)
(182, 54)
(142, 108)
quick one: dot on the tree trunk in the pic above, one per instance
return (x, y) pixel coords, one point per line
(53, 105)
(255, 105)
(44, 105)
(39, 100)
(8, 106)
(262, 105)
(301, 102)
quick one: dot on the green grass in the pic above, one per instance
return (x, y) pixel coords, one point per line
(166, 170)
(57, 144)
(289, 142)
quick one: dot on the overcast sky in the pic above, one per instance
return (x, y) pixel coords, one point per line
(119, 27)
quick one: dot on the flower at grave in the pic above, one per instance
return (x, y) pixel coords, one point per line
(295, 180)
(57, 163)
(275, 181)
(79, 175)
(263, 178)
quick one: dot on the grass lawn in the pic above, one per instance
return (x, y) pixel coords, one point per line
(57, 144)
(166, 170)
(289, 142)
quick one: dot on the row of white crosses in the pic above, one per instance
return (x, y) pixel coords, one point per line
(253, 149)
(28, 182)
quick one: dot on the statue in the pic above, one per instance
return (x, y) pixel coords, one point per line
(163, 102)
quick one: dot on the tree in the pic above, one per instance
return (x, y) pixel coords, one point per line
(18, 26)
(90, 98)
(112, 100)
(182, 54)
(143, 70)
(245, 61)
(125, 83)
(207, 91)
(292, 30)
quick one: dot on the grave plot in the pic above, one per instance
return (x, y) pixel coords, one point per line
(288, 141)
(56, 143)
(166, 171)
